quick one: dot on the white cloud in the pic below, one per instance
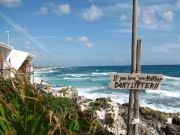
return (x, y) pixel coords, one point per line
(88, 44)
(10, 3)
(124, 17)
(92, 13)
(69, 39)
(156, 16)
(149, 16)
(122, 6)
(43, 11)
(83, 40)
(52, 8)
(168, 16)
(63, 9)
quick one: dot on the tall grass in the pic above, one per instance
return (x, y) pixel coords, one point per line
(21, 108)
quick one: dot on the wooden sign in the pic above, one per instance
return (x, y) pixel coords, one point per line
(136, 81)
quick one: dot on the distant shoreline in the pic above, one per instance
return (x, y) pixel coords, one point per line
(107, 65)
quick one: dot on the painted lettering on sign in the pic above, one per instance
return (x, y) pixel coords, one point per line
(136, 81)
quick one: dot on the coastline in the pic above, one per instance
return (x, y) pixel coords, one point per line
(94, 97)
(93, 82)
(114, 115)
(54, 90)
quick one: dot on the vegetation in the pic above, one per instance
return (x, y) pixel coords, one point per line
(74, 119)
(148, 113)
(24, 111)
(21, 109)
(59, 105)
(99, 103)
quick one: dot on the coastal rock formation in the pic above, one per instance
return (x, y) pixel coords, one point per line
(108, 112)
(68, 92)
(114, 116)
(43, 88)
(154, 122)
(176, 120)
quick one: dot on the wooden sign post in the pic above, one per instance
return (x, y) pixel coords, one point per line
(136, 93)
(135, 82)
(133, 65)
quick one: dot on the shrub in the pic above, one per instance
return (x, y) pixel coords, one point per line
(21, 110)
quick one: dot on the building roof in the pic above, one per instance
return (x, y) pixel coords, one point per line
(4, 45)
(17, 57)
(7, 46)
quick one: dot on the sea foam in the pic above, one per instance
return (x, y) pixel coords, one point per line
(172, 78)
(164, 93)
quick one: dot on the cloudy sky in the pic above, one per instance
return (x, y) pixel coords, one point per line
(91, 32)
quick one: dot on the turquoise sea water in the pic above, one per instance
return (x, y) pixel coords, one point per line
(92, 82)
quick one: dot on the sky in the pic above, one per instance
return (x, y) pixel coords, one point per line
(91, 32)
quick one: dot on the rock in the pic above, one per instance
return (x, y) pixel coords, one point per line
(68, 92)
(107, 112)
(102, 102)
(151, 114)
(176, 120)
(120, 126)
(171, 129)
(108, 119)
(43, 88)
(114, 118)
(169, 120)
(101, 114)
(83, 103)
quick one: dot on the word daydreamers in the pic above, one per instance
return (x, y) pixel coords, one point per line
(136, 81)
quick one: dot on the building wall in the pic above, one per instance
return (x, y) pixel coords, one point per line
(17, 58)
(5, 52)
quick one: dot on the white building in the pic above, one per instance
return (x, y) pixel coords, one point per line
(11, 58)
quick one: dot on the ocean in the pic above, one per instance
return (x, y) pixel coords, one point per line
(93, 81)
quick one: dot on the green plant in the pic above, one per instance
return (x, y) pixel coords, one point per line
(59, 105)
(99, 103)
(72, 118)
(21, 109)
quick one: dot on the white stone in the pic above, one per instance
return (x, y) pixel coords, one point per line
(101, 114)
(169, 120)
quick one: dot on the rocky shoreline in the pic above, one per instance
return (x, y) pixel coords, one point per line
(114, 116)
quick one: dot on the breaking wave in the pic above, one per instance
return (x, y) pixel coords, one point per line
(164, 93)
(172, 78)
